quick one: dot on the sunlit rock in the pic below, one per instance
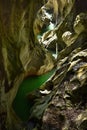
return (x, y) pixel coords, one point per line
(80, 23)
(81, 120)
(42, 21)
(66, 37)
(21, 55)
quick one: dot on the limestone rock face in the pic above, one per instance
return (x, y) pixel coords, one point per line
(48, 18)
(65, 95)
(63, 105)
(40, 61)
(67, 109)
(20, 55)
(80, 23)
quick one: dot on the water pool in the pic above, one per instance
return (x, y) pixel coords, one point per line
(21, 104)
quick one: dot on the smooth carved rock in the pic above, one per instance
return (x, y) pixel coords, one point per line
(80, 23)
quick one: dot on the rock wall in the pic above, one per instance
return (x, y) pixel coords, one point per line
(20, 55)
(62, 101)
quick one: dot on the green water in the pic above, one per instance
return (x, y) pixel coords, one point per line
(21, 104)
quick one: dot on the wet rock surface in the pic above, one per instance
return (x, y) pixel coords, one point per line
(70, 99)
(66, 103)
(63, 105)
